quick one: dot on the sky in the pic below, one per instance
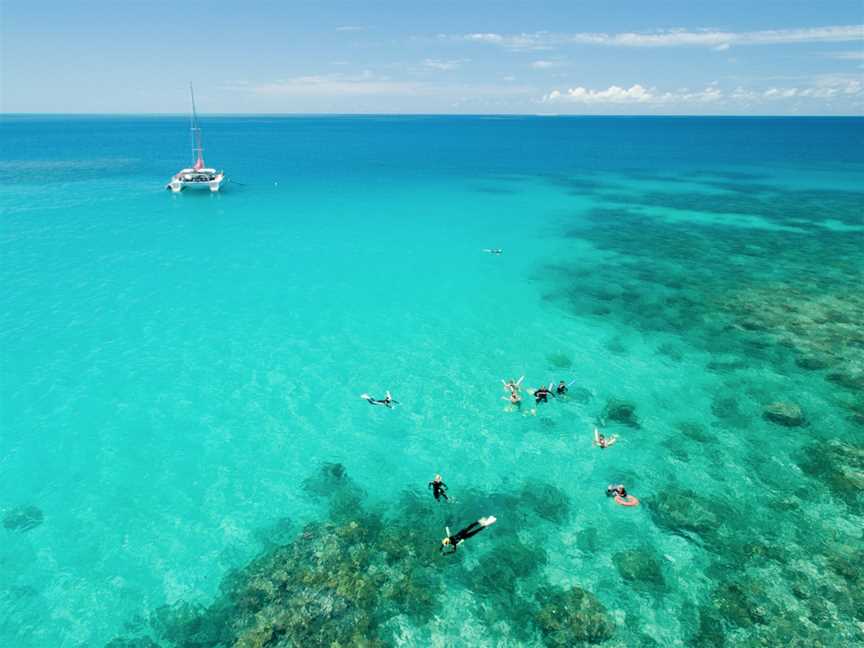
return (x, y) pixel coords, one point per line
(755, 57)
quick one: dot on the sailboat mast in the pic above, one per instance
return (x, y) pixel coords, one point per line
(197, 148)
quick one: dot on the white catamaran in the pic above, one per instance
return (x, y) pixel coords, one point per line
(198, 176)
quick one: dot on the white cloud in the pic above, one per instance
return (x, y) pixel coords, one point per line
(368, 83)
(826, 87)
(847, 56)
(719, 40)
(613, 94)
(545, 65)
(484, 38)
(336, 84)
(434, 64)
(635, 94)
(536, 41)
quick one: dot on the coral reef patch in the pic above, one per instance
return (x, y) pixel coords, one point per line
(23, 518)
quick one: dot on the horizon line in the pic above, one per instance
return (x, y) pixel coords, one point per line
(421, 114)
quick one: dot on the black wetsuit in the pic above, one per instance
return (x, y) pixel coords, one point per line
(386, 402)
(561, 389)
(472, 529)
(438, 489)
(541, 395)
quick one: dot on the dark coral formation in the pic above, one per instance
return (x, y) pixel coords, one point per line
(23, 518)
(571, 618)
(346, 580)
(742, 612)
(640, 567)
(620, 412)
(559, 360)
(684, 512)
(784, 413)
(840, 466)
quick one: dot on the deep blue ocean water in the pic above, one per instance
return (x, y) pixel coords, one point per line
(180, 380)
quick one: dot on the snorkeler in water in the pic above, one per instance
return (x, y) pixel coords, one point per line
(616, 490)
(561, 389)
(513, 385)
(514, 398)
(603, 442)
(452, 541)
(541, 394)
(387, 401)
(439, 488)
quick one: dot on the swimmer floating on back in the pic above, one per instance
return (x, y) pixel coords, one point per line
(387, 401)
(452, 541)
(512, 385)
(603, 442)
(439, 488)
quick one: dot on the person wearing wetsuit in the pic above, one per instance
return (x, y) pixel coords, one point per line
(471, 530)
(439, 488)
(618, 490)
(561, 389)
(541, 395)
(387, 401)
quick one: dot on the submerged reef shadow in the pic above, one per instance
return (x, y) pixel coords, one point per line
(23, 518)
(357, 576)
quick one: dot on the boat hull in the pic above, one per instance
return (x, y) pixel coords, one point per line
(183, 181)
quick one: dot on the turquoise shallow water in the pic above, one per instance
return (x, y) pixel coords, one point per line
(180, 382)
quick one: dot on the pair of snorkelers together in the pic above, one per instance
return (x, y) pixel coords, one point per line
(451, 541)
(513, 386)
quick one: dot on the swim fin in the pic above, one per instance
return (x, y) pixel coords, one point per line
(488, 521)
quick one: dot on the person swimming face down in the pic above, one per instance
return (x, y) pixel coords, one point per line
(451, 542)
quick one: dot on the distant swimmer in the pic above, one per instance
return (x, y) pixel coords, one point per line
(452, 541)
(439, 488)
(387, 401)
(603, 442)
(620, 494)
(513, 385)
(515, 399)
(494, 250)
(541, 394)
(561, 389)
